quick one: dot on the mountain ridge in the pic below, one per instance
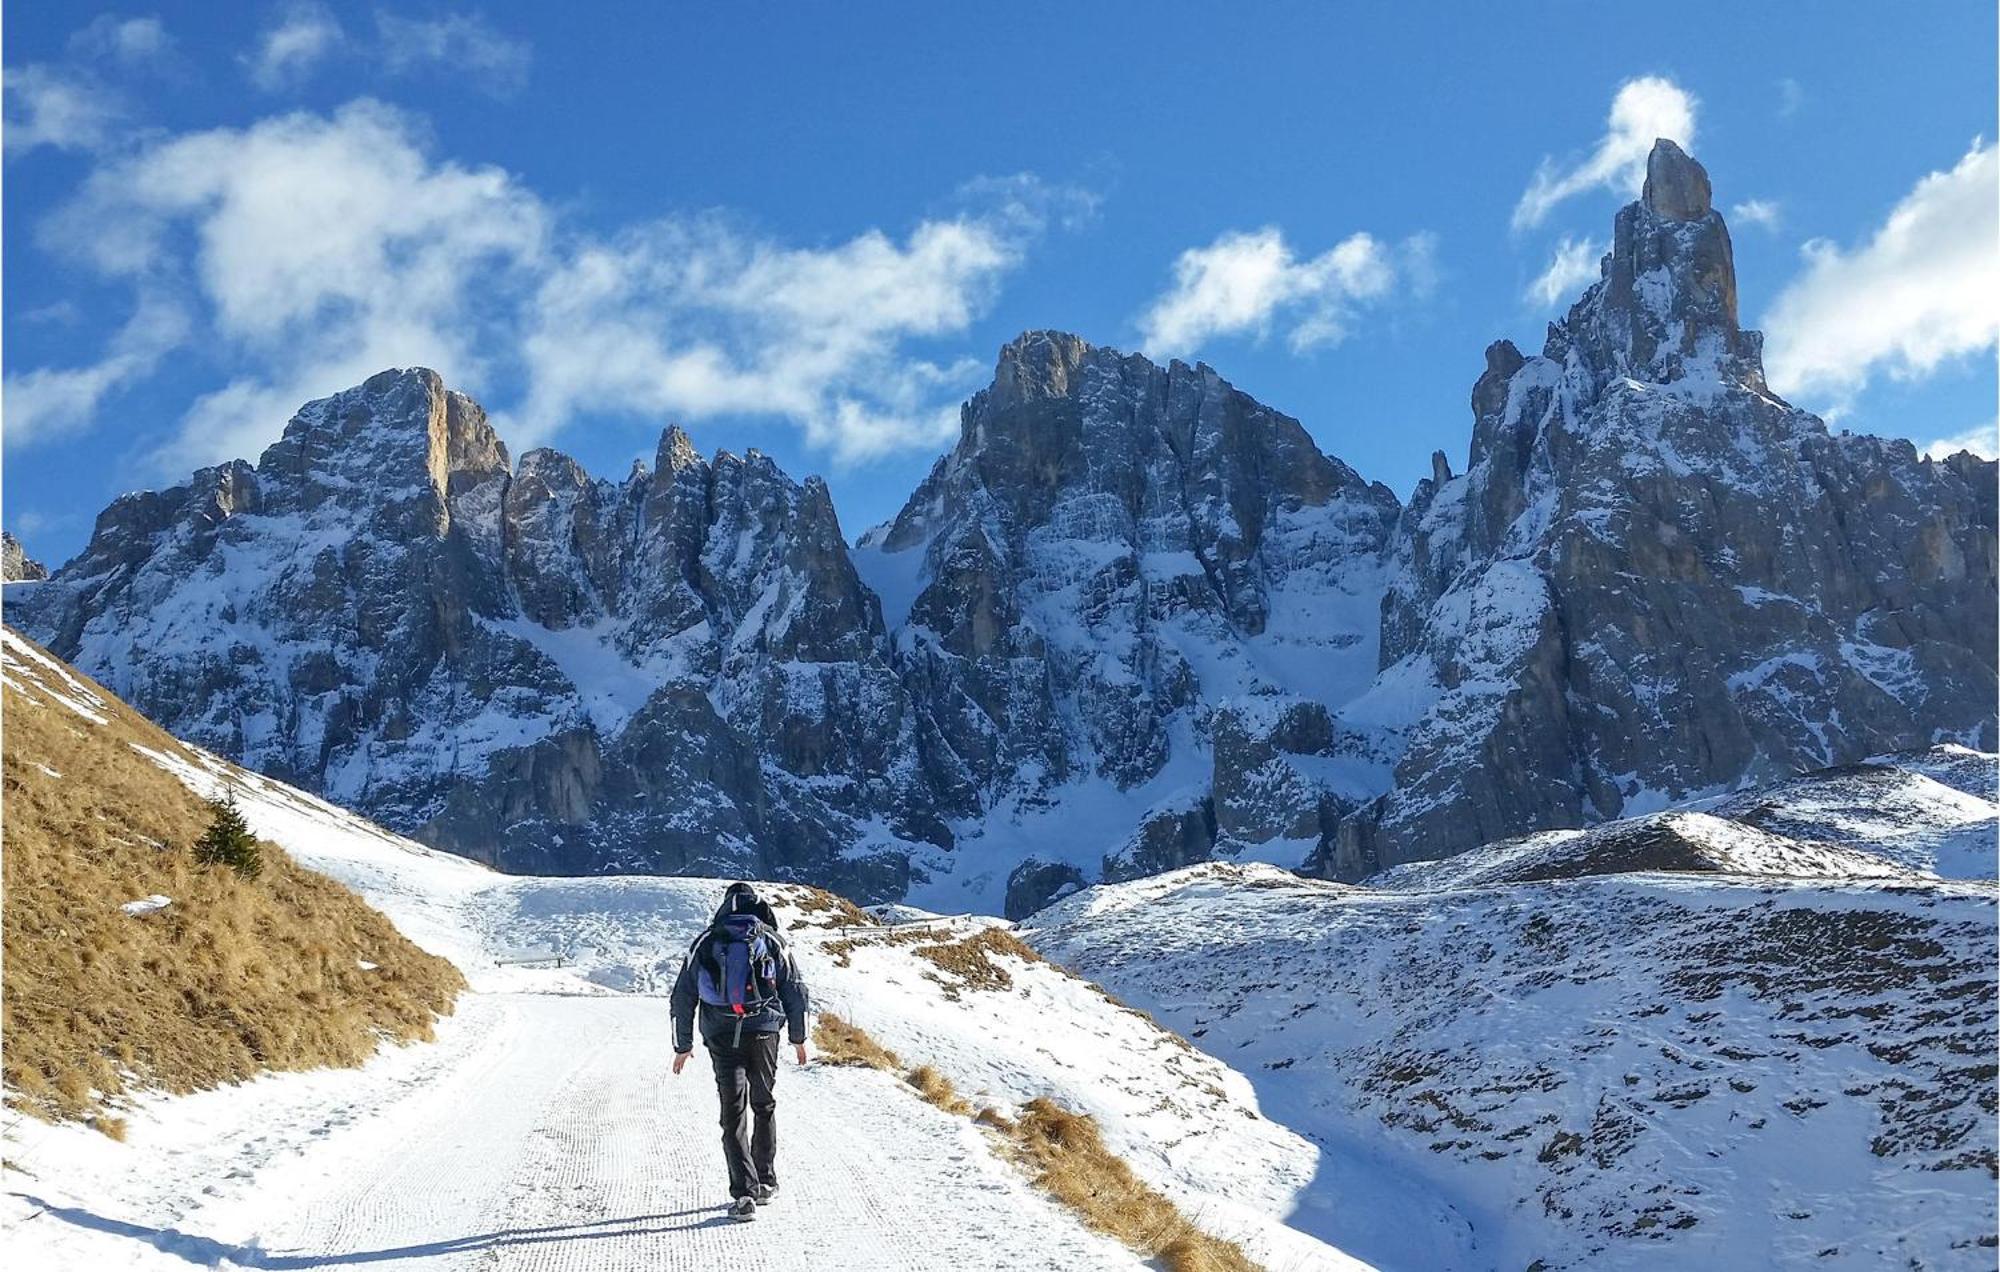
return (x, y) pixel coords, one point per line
(1133, 619)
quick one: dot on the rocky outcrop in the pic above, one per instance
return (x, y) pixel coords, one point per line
(16, 566)
(1035, 884)
(550, 672)
(1657, 579)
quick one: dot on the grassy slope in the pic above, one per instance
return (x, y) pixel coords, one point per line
(234, 977)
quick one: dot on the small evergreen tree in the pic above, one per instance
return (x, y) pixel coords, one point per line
(228, 841)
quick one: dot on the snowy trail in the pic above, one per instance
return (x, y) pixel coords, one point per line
(544, 1132)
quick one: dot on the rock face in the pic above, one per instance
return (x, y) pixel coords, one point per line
(1657, 579)
(679, 673)
(16, 566)
(1133, 620)
(1113, 552)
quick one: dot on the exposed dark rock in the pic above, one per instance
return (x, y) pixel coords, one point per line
(1035, 883)
(16, 566)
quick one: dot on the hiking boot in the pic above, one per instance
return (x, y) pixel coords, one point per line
(765, 1193)
(743, 1209)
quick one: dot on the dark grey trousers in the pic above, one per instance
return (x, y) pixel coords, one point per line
(746, 1080)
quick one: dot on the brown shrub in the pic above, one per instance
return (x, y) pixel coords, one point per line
(236, 976)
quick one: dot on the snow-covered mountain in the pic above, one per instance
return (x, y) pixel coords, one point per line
(1679, 1041)
(1133, 620)
(1116, 602)
(1658, 579)
(679, 672)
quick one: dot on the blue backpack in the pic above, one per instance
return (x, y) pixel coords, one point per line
(739, 974)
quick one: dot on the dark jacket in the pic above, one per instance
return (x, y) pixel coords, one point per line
(789, 1013)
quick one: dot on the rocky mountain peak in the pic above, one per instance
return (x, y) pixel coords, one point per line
(401, 433)
(1037, 364)
(676, 452)
(1664, 309)
(16, 566)
(1676, 186)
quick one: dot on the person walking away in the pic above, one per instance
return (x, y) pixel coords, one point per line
(740, 981)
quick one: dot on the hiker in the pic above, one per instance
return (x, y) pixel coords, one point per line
(747, 987)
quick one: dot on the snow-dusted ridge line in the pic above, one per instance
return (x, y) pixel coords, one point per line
(1601, 1070)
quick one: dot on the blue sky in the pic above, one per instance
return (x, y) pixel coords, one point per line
(809, 228)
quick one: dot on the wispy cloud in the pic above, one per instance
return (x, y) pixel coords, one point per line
(464, 42)
(1246, 283)
(47, 402)
(1919, 292)
(1572, 266)
(301, 36)
(52, 106)
(70, 104)
(1760, 212)
(1791, 96)
(127, 41)
(306, 35)
(318, 249)
(1642, 111)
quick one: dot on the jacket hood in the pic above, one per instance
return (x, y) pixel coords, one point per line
(743, 899)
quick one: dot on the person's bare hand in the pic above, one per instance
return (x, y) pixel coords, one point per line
(681, 1059)
(800, 1047)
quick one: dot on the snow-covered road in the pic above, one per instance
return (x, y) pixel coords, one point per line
(544, 1132)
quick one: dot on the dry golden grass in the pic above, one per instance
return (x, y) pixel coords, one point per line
(236, 976)
(1066, 1154)
(836, 1041)
(937, 1089)
(819, 908)
(971, 963)
(841, 948)
(1070, 1160)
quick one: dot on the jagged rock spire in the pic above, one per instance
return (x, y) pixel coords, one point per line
(1676, 186)
(1664, 309)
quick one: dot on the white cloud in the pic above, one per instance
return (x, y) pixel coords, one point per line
(131, 41)
(1245, 283)
(1573, 265)
(304, 35)
(1983, 441)
(1920, 291)
(1763, 212)
(50, 107)
(1642, 111)
(323, 249)
(316, 250)
(463, 42)
(698, 319)
(49, 402)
